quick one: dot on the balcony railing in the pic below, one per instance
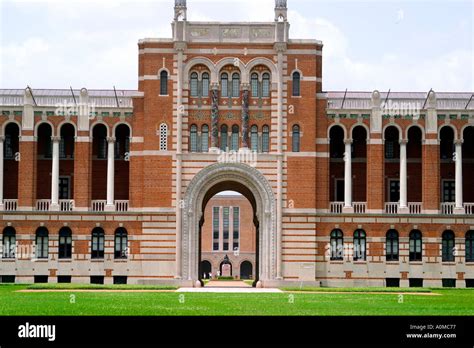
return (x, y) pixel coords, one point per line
(360, 207)
(469, 208)
(99, 206)
(394, 208)
(391, 208)
(121, 206)
(10, 204)
(43, 204)
(66, 205)
(447, 208)
(336, 207)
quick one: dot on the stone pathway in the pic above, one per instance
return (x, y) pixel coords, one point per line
(229, 287)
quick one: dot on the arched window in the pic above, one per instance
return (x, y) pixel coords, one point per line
(194, 138)
(254, 85)
(337, 245)
(296, 138)
(391, 246)
(448, 246)
(266, 85)
(224, 137)
(205, 138)
(163, 137)
(265, 139)
(42, 248)
(194, 85)
(9, 243)
(205, 85)
(235, 85)
(121, 244)
(235, 138)
(98, 243)
(470, 246)
(65, 243)
(296, 84)
(416, 246)
(224, 85)
(254, 138)
(164, 83)
(360, 243)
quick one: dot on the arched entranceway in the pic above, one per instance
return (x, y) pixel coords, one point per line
(206, 269)
(246, 270)
(250, 183)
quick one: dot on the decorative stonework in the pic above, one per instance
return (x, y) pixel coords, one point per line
(258, 185)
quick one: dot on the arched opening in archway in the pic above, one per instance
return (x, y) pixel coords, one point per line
(206, 269)
(66, 162)
(246, 271)
(468, 164)
(336, 167)
(392, 137)
(10, 166)
(447, 165)
(228, 231)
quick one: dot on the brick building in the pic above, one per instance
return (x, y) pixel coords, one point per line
(346, 189)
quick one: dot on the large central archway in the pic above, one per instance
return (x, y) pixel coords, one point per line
(249, 182)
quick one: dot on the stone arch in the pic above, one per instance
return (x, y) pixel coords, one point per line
(230, 61)
(91, 132)
(342, 126)
(400, 130)
(463, 130)
(199, 189)
(455, 131)
(363, 125)
(65, 122)
(4, 127)
(415, 125)
(260, 61)
(43, 122)
(200, 61)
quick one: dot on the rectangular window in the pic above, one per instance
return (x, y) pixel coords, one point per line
(64, 279)
(226, 246)
(215, 246)
(102, 153)
(449, 283)
(415, 283)
(469, 283)
(389, 149)
(394, 191)
(10, 279)
(64, 188)
(236, 224)
(226, 223)
(8, 147)
(235, 247)
(62, 148)
(392, 282)
(449, 191)
(215, 223)
(41, 279)
(120, 280)
(97, 247)
(98, 280)
(65, 247)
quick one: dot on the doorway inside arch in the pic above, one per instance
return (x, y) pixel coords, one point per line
(229, 236)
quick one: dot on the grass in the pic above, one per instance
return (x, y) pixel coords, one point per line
(384, 290)
(14, 303)
(96, 287)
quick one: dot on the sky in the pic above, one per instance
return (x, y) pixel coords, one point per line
(399, 45)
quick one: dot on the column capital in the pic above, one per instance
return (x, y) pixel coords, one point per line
(403, 141)
(348, 141)
(459, 142)
(55, 139)
(215, 86)
(245, 86)
(111, 139)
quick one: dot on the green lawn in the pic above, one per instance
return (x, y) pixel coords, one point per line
(451, 303)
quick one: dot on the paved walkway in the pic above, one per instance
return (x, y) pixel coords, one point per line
(229, 287)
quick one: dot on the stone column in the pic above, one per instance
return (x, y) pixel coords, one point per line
(245, 115)
(110, 206)
(179, 47)
(214, 117)
(403, 209)
(55, 175)
(459, 209)
(280, 49)
(2, 140)
(348, 208)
